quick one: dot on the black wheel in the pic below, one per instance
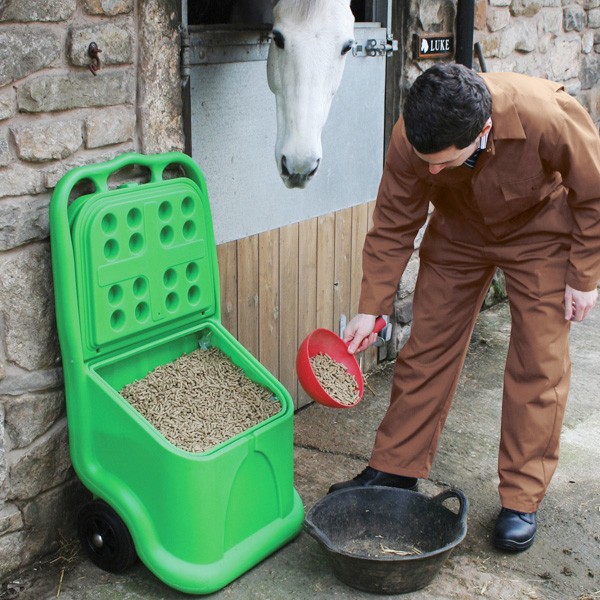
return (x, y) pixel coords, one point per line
(105, 538)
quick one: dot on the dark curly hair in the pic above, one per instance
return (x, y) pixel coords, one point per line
(447, 105)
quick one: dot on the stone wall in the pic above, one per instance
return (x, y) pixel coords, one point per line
(552, 39)
(55, 115)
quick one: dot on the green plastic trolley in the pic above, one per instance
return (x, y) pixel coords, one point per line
(137, 286)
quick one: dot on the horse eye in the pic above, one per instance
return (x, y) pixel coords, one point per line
(278, 39)
(347, 47)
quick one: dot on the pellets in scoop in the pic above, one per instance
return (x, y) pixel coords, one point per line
(335, 379)
(200, 400)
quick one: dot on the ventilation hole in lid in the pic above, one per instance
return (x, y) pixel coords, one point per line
(109, 223)
(134, 217)
(140, 287)
(117, 320)
(187, 206)
(189, 230)
(170, 278)
(194, 294)
(172, 302)
(111, 249)
(192, 271)
(166, 235)
(136, 243)
(115, 294)
(142, 311)
(165, 210)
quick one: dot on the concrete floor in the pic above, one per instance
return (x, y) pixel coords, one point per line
(331, 445)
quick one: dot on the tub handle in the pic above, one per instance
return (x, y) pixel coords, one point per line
(463, 503)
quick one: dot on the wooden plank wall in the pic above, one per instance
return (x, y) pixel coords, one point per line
(277, 286)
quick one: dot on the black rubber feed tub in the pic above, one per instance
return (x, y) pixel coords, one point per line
(387, 540)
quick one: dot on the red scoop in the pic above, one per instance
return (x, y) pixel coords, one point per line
(327, 342)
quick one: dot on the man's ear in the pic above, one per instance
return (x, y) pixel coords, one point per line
(486, 127)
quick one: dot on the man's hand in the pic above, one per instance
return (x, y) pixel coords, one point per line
(359, 333)
(578, 304)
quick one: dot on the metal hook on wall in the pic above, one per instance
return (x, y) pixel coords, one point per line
(93, 52)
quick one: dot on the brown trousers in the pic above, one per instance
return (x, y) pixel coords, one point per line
(454, 277)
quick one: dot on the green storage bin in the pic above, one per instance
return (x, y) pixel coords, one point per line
(137, 286)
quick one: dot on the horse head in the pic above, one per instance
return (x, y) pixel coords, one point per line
(310, 40)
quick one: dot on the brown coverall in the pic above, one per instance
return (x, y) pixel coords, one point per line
(531, 206)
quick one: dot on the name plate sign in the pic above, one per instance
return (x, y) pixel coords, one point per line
(433, 45)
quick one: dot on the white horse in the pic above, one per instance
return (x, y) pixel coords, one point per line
(310, 40)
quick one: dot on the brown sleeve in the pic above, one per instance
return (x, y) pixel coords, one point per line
(400, 211)
(577, 158)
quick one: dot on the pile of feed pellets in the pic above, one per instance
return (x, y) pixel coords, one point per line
(335, 379)
(200, 400)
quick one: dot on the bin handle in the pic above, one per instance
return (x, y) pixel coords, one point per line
(463, 503)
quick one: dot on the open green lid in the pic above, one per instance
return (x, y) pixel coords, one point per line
(145, 263)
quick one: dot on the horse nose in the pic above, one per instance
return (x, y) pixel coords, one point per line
(298, 176)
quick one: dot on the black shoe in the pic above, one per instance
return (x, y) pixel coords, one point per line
(514, 530)
(372, 476)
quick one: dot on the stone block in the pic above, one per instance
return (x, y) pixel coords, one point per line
(552, 3)
(528, 63)
(112, 126)
(528, 39)
(436, 16)
(500, 2)
(23, 220)
(10, 519)
(31, 415)
(27, 308)
(400, 335)
(409, 277)
(11, 551)
(525, 8)
(108, 7)
(587, 42)
(5, 156)
(480, 14)
(8, 105)
(17, 381)
(552, 21)
(23, 53)
(490, 47)
(574, 18)
(160, 101)
(590, 72)
(498, 18)
(47, 93)
(591, 4)
(573, 87)
(403, 310)
(564, 58)
(594, 18)
(521, 36)
(114, 41)
(55, 172)
(28, 11)
(43, 465)
(53, 140)
(18, 180)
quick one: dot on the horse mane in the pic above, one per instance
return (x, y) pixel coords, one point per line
(302, 9)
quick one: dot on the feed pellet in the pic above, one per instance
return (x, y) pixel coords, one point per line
(200, 400)
(335, 379)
